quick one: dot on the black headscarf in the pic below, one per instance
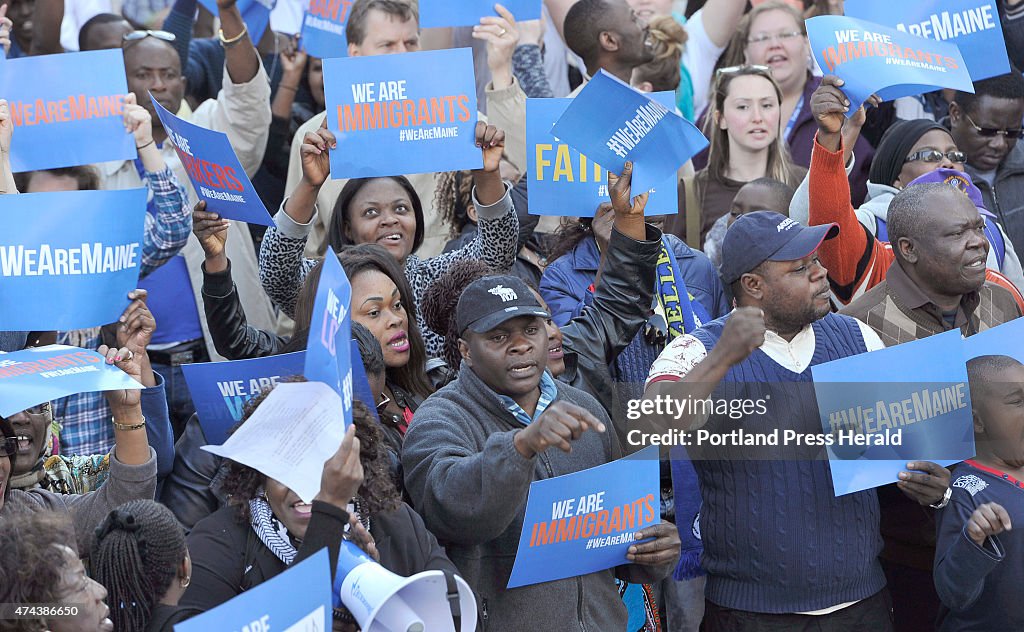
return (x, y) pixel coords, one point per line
(892, 150)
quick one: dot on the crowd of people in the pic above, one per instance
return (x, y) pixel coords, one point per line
(503, 347)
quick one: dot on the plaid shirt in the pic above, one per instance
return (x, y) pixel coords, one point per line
(85, 417)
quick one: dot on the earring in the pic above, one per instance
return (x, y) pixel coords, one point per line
(185, 582)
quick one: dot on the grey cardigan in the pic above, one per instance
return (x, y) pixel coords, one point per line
(126, 482)
(469, 483)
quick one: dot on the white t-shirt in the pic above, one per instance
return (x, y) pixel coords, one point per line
(699, 56)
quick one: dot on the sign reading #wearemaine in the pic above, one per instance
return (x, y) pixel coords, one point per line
(43, 374)
(306, 606)
(584, 522)
(874, 59)
(973, 25)
(563, 181)
(323, 28)
(67, 109)
(396, 114)
(214, 170)
(610, 123)
(440, 13)
(888, 407)
(219, 390)
(76, 253)
(329, 347)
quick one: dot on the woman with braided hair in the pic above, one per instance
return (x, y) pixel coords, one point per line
(139, 555)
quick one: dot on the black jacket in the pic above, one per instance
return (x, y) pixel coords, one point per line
(188, 491)
(232, 337)
(621, 306)
(228, 557)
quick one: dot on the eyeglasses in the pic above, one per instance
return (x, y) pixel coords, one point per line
(934, 155)
(744, 69)
(9, 447)
(764, 38)
(137, 36)
(989, 132)
(383, 403)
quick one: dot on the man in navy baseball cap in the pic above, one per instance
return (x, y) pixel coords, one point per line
(768, 236)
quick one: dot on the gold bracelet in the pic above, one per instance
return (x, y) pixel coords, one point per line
(138, 426)
(227, 43)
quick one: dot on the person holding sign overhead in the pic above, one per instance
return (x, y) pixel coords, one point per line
(388, 212)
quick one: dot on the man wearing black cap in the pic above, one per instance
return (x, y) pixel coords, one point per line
(781, 550)
(474, 447)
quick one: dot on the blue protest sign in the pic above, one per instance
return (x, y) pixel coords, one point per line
(1002, 340)
(584, 522)
(43, 374)
(297, 600)
(563, 181)
(874, 59)
(328, 349)
(439, 13)
(255, 14)
(212, 166)
(610, 123)
(323, 28)
(68, 259)
(219, 390)
(74, 116)
(401, 114)
(882, 409)
(973, 25)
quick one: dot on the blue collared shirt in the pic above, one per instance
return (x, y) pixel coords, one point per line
(548, 394)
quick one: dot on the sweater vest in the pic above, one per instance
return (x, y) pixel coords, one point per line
(776, 539)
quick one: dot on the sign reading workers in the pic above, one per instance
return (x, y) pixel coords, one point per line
(888, 407)
(323, 28)
(220, 390)
(973, 25)
(398, 114)
(873, 59)
(43, 374)
(68, 259)
(584, 522)
(610, 123)
(67, 109)
(214, 170)
(563, 181)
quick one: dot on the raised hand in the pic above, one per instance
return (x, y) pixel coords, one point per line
(5, 30)
(559, 425)
(136, 325)
(212, 232)
(620, 189)
(316, 161)
(343, 473)
(293, 62)
(501, 37)
(137, 121)
(743, 333)
(6, 126)
(829, 106)
(491, 142)
(127, 400)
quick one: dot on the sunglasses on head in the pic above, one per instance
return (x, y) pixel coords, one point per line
(136, 36)
(744, 69)
(989, 132)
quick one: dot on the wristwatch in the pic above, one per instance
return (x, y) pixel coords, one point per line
(945, 499)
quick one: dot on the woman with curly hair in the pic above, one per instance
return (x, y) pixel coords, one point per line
(39, 565)
(265, 527)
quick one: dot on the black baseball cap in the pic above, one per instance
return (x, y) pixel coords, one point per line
(768, 236)
(490, 301)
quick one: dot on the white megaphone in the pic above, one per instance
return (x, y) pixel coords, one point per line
(382, 601)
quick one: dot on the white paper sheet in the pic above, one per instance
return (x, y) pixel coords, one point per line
(293, 432)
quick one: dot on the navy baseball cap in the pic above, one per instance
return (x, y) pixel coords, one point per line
(768, 236)
(490, 301)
